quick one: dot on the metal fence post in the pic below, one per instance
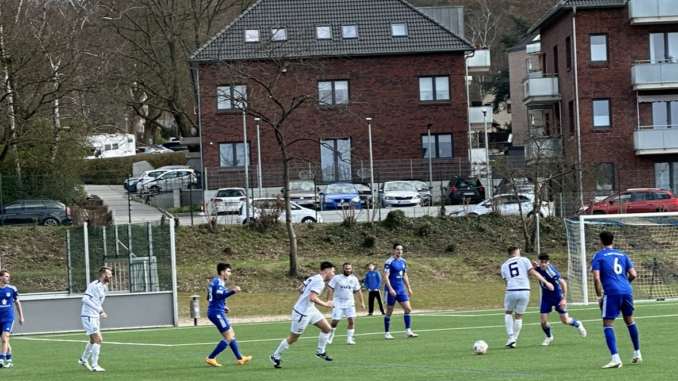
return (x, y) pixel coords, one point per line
(129, 200)
(117, 241)
(173, 261)
(103, 235)
(150, 256)
(86, 241)
(129, 253)
(68, 256)
(190, 202)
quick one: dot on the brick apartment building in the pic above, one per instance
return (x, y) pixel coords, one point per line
(350, 60)
(607, 90)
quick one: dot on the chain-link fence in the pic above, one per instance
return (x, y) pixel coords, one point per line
(140, 256)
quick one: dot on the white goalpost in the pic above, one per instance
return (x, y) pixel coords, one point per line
(649, 239)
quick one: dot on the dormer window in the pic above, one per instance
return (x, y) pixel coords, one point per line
(279, 34)
(252, 35)
(399, 29)
(323, 32)
(349, 31)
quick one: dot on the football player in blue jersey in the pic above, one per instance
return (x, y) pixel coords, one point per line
(8, 296)
(613, 272)
(553, 299)
(216, 312)
(397, 290)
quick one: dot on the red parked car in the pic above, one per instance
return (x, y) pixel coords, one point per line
(641, 200)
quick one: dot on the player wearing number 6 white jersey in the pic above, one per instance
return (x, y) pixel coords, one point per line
(342, 288)
(515, 273)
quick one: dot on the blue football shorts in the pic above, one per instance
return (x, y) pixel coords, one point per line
(6, 326)
(401, 296)
(614, 304)
(547, 305)
(219, 320)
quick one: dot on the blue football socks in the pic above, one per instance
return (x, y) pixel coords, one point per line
(547, 330)
(633, 331)
(610, 339)
(387, 323)
(407, 321)
(234, 348)
(220, 348)
(574, 323)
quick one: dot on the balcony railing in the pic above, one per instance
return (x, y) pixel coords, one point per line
(543, 147)
(653, 11)
(654, 75)
(655, 141)
(533, 48)
(540, 91)
(479, 62)
(475, 115)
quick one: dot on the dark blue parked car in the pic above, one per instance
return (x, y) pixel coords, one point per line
(340, 196)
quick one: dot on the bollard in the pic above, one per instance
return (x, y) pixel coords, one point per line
(195, 309)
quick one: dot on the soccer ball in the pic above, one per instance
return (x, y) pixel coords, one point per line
(480, 347)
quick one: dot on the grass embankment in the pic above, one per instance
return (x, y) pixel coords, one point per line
(453, 263)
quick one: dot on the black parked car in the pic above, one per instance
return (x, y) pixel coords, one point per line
(460, 188)
(29, 211)
(175, 146)
(365, 193)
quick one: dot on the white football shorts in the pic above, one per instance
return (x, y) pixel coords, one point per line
(301, 321)
(338, 312)
(516, 301)
(90, 324)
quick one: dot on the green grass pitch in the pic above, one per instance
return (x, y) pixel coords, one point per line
(443, 350)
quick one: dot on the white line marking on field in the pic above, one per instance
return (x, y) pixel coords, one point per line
(314, 337)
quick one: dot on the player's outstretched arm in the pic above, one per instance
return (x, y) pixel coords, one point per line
(535, 274)
(315, 299)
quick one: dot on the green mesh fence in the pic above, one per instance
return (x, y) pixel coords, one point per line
(139, 254)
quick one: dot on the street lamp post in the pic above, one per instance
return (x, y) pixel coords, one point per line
(487, 154)
(428, 151)
(369, 133)
(247, 187)
(258, 158)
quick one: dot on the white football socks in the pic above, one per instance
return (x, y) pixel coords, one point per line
(88, 351)
(95, 354)
(350, 333)
(517, 325)
(281, 349)
(322, 341)
(508, 321)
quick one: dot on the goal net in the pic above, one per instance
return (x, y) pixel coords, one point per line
(649, 239)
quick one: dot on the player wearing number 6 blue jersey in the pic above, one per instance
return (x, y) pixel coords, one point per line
(612, 269)
(216, 312)
(515, 272)
(553, 299)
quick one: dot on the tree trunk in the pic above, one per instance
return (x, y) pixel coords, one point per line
(294, 267)
(10, 100)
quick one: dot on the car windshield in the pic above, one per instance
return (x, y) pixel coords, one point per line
(361, 187)
(302, 186)
(340, 188)
(398, 186)
(420, 185)
(466, 183)
(617, 197)
(230, 193)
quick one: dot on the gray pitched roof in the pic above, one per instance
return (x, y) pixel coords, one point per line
(520, 47)
(569, 4)
(373, 19)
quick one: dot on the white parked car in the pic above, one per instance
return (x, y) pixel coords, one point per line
(169, 181)
(398, 193)
(269, 206)
(226, 201)
(507, 204)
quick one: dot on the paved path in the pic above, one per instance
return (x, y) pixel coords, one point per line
(115, 197)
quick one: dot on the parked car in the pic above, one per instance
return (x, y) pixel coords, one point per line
(148, 176)
(130, 184)
(365, 193)
(303, 193)
(460, 188)
(340, 196)
(424, 191)
(507, 204)
(144, 150)
(398, 193)
(175, 146)
(40, 211)
(522, 185)
(169, 181)
(160, 149)
(641, 200)
(226, 201)
(271, 206)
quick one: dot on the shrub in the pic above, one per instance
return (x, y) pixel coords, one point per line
(395, 220)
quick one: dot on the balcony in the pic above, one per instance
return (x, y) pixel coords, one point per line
(533, 48)
(476, 118)
(655, 141)
(654, 75)
(479, 62)
(540, 91)
(645, 12)
(543, 148)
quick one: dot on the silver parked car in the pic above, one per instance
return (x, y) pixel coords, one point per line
(398, 193)
(275, 206)
(169, 181)
(304, 193)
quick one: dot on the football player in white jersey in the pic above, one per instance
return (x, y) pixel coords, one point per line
(92, 310)
(305, 313)
(515, 273)
(341, 290)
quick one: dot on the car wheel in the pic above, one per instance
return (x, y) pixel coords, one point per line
(308, 220)
(50, 222)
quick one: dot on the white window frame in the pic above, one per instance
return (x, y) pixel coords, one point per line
(402, 25)
(607, 48)
(279, 34)
(345, 29)
(252, 35)
(321, 30)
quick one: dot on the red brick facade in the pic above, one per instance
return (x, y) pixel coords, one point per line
(626, 44)
(385, 88)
